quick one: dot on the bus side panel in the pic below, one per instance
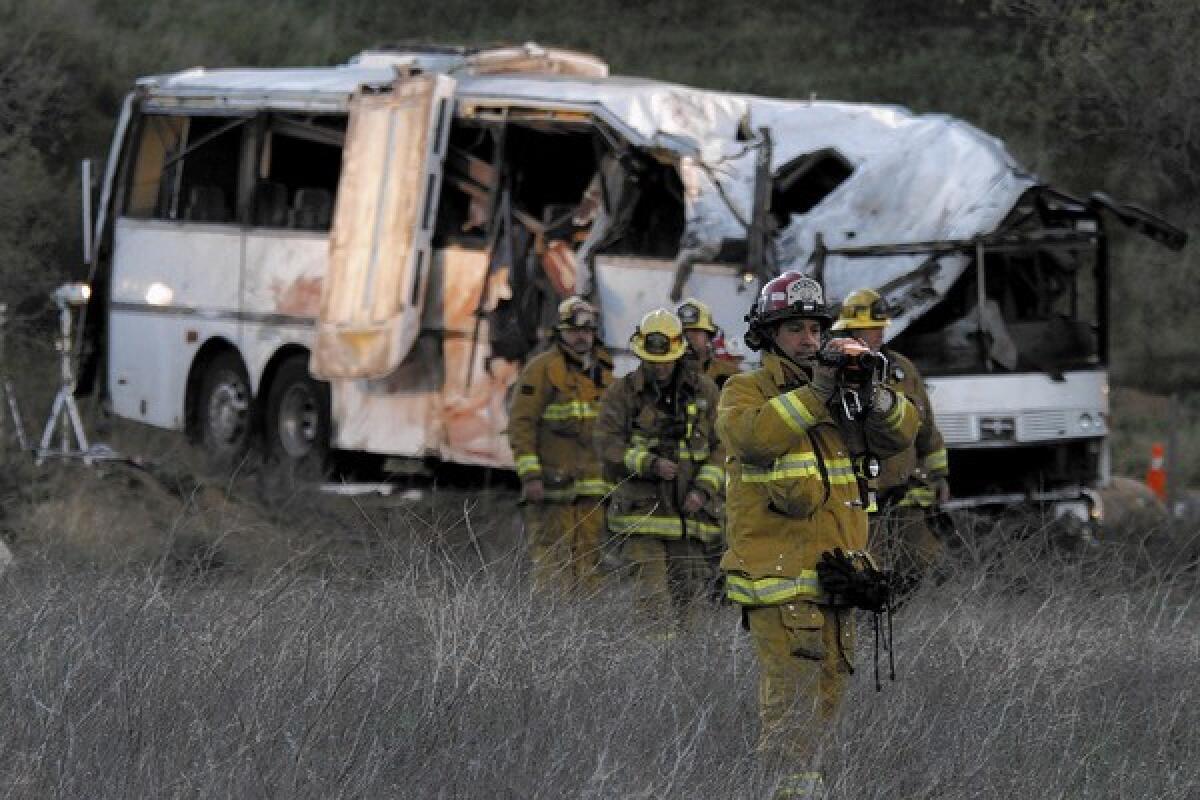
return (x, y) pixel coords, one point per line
(174, 287)
(396, 415)
(281, 293)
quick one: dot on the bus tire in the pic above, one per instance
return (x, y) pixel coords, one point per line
(297, 418)
(225, 411)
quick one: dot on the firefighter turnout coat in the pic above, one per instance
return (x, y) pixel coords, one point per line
(718, 370)
(551, 421)
(792, 490)
(638, 424)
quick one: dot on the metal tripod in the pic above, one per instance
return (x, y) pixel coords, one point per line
(64, 414)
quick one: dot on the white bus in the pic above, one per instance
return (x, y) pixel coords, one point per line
(361, 257)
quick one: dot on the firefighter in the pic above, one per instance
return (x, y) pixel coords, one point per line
(656, 437)
(550, 425)
(701, 332)
(796, 463)
(912, 483)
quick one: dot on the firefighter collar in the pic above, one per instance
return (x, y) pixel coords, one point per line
(599, 353)
(784, 372)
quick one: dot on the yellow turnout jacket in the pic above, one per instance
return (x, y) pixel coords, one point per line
(792, 490)
(634, 429)
(718, 370)
(909, 474)
(554, 409)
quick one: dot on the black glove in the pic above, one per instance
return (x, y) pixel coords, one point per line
(853, 580)
(824, 380)
(883, 400)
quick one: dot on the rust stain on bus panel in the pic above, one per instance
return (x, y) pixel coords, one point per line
(298, 298)
(474, 413)
(287, 275)
(475, 418)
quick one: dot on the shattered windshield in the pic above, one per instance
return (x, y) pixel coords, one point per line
(1040, 314)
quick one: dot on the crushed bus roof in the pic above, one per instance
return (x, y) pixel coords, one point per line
(911, 177)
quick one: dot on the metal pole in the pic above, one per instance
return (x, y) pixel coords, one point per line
(3, 366)
(68, 383)
(981, 300)
(820, 253)
(86, 210)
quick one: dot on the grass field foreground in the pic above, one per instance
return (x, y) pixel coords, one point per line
(436, 674)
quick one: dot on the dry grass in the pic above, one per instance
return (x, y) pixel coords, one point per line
(393, 649)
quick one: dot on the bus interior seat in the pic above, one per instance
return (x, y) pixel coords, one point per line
(312, 209)
(270, 205)
(206, 204)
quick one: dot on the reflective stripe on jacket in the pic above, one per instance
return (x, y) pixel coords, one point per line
(791, 492)
(553, 413)
(634, 430)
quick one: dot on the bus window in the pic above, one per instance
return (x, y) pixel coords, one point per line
(298, 171)
(149, 189)
(209, 182)
(187, 168)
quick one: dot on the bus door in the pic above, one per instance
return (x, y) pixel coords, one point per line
(380, 246)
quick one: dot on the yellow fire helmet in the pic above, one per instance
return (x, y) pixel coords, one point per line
(659, 337)
(862, 309)
(575, 312)
(696, 316)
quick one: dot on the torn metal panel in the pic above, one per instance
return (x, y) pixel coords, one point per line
(475, 388)
(912, 177)
(428, 406)
(532, 57)
(380, 244)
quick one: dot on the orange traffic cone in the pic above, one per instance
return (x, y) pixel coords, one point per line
(1156, 476)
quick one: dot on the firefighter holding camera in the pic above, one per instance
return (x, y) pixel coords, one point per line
(656, 435)
(554, 408)
(800, 433)
(911, 483)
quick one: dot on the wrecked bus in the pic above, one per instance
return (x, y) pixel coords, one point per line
(361, 257)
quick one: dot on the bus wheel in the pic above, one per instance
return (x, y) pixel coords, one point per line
(224, 410)
(298, 429)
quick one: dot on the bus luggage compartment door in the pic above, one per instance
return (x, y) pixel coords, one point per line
(374, 294)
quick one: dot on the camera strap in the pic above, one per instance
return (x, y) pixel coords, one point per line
(851, 580)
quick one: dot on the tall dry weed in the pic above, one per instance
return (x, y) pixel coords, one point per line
(436, 672)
